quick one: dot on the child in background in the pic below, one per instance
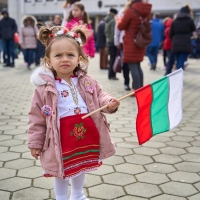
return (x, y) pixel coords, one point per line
(76, 17)
(68, 146)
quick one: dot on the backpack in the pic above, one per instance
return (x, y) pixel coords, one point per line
(144, 35)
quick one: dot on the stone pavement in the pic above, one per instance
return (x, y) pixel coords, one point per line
(165, 168)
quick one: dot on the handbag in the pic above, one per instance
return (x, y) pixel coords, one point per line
(117, 66)
(144, 35)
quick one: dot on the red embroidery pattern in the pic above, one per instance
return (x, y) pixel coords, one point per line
(78, 131)
(64, 93)
(77, 111)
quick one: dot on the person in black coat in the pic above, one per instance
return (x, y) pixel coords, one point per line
(8, 28)
(180, 34)
(101, 43)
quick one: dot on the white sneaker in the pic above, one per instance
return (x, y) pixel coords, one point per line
(80, 197)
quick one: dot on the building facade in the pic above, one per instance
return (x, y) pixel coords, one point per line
(95, 8)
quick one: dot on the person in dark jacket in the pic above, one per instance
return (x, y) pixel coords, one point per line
(8, 28)
(180, 34)
(109, 32)
(157, 38)
(101, 43)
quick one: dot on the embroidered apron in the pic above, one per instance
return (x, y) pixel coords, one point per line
(80, 145)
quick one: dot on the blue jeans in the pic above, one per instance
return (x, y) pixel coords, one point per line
(9, 51)
(152, 53)
(181, 58)
(29, 55)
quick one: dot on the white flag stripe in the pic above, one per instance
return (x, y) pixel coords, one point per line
(175, 97)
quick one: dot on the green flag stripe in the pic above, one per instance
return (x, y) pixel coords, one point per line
(79, 153)
(159, 107)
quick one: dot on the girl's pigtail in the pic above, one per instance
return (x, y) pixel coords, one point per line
(44, 35)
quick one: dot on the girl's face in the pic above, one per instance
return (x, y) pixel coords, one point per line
(77, 12)
(63, 57)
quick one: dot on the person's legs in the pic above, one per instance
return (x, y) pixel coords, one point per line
(7, 52)
(113, 51)
(30, 57)
(12, 52)
(77, 184)
(60, 188)
(155, 52)
(182, 58)
(126, 76)
(165, 57)
(149, 54)
(137, 75)
(170, 63)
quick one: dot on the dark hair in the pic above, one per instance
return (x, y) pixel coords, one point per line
(82, 8)
(46, 39)
(69, 2)
(157, 15)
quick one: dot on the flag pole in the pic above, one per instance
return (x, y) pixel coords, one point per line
(99, 109)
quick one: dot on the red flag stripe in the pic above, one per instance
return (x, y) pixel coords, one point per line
(143, 123)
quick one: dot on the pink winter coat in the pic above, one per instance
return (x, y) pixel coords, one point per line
(89, 47)
(43, 131)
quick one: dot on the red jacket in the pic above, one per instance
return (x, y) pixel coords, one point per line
(133, 53)
(89, 47)
(167, 41)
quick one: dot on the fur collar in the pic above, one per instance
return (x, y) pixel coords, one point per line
(36, 78)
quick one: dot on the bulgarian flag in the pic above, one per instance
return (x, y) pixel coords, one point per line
(159, 106)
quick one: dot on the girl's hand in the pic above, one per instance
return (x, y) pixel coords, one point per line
(35, 153)
(113, 105)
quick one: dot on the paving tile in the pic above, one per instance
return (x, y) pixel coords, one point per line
(130, 198)
(160, 138)
(193, 150)
(197, 185)
(123, 151)
(196, 143)
(31, 172)
(42, 182)
(187, 133)
(14, 132)
(137, 189)
(168, 159)
(31, 194)
(19, 164)
(105, 191)
(7, 127)
(160, 168)
(178, 189)
(188, 167)
(129, 145)
(190, 128)
(167, 197)
(183, 138)
(119, 134)
(20, 148)
(154, 144)
(129, 168)
(191, 157)
(138, 159)
(14, 184)
(6, 156)
(104, 169)
(21, 137)
(10, 143)
(153, 178)
(3, 149)
(173, 151)
(7, 173)
(120, 179)
(28, 156)
(114, 160)
(131, 139)
(178, 144)
(117, 139)
(92, 180)
(185, 177)
(146, 151)
(194, 197)
(5, 137)
(4, 195)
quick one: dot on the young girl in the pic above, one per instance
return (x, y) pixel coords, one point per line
(68, 145)
(76, 17)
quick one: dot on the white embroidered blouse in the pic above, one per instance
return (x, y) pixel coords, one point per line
(70, 101)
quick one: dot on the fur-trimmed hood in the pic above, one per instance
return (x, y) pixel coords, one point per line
(37, 76)
(31, 18)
